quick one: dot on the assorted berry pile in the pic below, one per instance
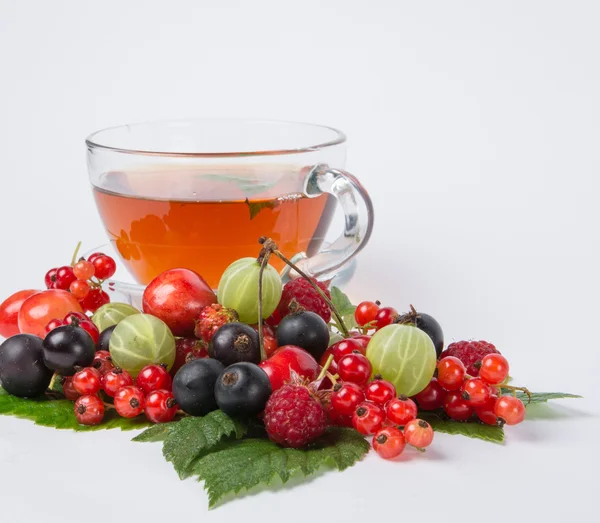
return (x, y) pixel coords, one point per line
(280, 354)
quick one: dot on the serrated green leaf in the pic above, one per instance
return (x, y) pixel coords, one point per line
(59, 414)
(256, 207)
(539, 397)
(236, 465)
(471, 429)
(192, 437)
(342, 302)
(155, 433)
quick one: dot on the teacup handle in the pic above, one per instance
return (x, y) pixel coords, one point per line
(358, 221)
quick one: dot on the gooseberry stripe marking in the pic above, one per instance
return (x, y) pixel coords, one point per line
(242, 265)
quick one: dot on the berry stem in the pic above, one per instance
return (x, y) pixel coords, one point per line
(263, 259)
(75, 253)
(515, 389)
(325, 368)
(330, 304)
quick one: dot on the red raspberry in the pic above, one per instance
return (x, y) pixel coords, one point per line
(300, 293)
(211, 318)
(294, 417)
(469, 352)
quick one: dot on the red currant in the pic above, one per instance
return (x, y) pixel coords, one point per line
(380, 391)
(114, 380)
(89, 327)
(456, 407)
(486, 413)
(104, 266)
(494, 369)
(83, 270)
(102, 355)
(70, 393)
(355, 368)
(510, 410)
(368, 418)
(94, 300)
(418, 433)
(401, 410)
(153, 377)
(338, 420)
(346, 397)
(50, 279)
(345, 347)
(64, 277)
(431, 397)
(89, 410)
(365, 312)
(450, 373)
(385, 316)
(102, 362)
(389, 442)
(95, 255)
(53, 324)
(80, 289)
(129, 402)
(74, 318)
(363, 339)
(87, 381)
(475, 392)
(160, 406)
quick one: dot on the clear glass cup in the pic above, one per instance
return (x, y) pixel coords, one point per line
(199, 193)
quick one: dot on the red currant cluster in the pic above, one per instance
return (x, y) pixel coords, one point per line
(84, 280)
(461, 395)
(149, 393)
(370, 315)
(373, 407)
(77, 319)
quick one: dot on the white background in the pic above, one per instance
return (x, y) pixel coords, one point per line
(475, 126)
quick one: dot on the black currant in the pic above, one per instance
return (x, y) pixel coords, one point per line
(235, 342)
(68, 347)
(242, 390)
(428, 324)
(104, 340)
(22, 370)
(194, 386)
(306, 330)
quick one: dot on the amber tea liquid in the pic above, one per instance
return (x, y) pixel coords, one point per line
(197, 228)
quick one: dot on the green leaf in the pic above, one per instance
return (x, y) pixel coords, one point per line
(342, 302)
(539, 397)
(192, 437)
(155, 433)
(256, 207)
(59, 414)
(242, 464)
(471, 429)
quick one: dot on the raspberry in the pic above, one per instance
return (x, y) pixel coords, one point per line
(469, 352)
(294, 417)
(300, 294)
(211, 318)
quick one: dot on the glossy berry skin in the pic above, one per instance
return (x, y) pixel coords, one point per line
(153, 377)
(471, 353)
(89, 410)
(9, 312)
(103, 365)
(345, 347)
(456, 407)
(37, 310)
(235, 342)
(53, 324)
(194, 386)
(50, 278)
(306, 330)
(89, 327)
(64, 277)
(114, 380)
(87, 381)
(94, 300)
(79, 289)
(129, 402)
(66, 348)
(242, 390)
(346, 397)
(104, 338)
(368, 418)
(385, 316)
(475, 392)
(95, 255)
(363, 339)
(486, 412)
(74, 318)
(450, 373)
(287, 358)
(510, 410)
(186, 350)
(83, 270)
(365, 312)
(431, 397)
(401, 411)
(70, 393)
(418, 433)
(427, 324)
(389, 442)
(380, 391)
(494, 369)
(161, 406)
(102, 355)
(355, 368)
(104, 267)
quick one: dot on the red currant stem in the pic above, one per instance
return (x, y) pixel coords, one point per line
(515, 389)
(52, 381)
(74, 258)
(340, 321)
(420, 449)
(325, 368)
